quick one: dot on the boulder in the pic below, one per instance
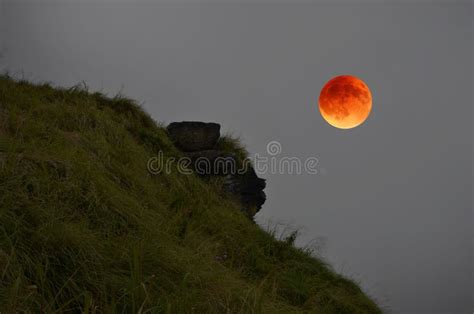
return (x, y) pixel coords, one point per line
(192, 136)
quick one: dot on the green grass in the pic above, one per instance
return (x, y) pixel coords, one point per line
(85, 228)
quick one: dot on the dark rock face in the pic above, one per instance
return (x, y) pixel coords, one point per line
(213, 162)
(194, 136)
(249, 189)
(198, 141)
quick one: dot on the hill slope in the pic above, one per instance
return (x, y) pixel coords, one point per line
(85, 227)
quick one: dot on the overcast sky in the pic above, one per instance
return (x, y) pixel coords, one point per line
(393, 199)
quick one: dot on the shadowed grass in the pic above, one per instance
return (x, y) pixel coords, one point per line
(84, 227)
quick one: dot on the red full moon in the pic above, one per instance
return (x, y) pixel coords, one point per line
(345, 102)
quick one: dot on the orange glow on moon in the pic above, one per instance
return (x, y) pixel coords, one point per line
(345, 102)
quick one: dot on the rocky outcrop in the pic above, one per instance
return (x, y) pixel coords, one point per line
(193, 136)
(213, 162)
(249, 188)
(199, 142)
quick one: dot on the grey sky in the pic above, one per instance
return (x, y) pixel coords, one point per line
(395, 200)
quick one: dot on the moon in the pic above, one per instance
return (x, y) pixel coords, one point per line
(345, 102)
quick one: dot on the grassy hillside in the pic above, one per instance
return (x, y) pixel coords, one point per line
(85, 227)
